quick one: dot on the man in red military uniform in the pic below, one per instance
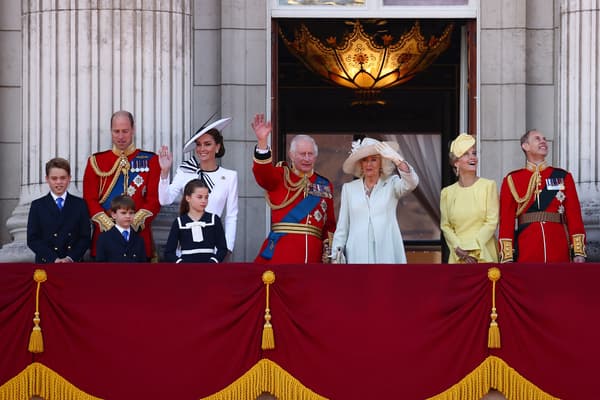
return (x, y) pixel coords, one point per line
(543, 201)
(301, 201)
(122, 170)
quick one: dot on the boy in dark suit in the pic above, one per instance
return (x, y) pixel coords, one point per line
(58, 227)
(121, 243)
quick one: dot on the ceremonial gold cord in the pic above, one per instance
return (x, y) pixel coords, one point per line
(534, 181)
(289, 185)
(121, 162)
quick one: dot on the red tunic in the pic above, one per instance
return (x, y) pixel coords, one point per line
(540, 241)
(143, 174)
(294, 248)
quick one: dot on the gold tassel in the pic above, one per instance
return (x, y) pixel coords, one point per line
(494, 330)
(36, 341)
(268, 339)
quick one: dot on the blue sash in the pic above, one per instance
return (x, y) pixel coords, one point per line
(142, 158)
(295, 215)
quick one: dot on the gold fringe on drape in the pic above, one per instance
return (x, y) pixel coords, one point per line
(494, 330)
(36, 341)
(39, 380)
(266, 376)
(268, 338)
(494, 373)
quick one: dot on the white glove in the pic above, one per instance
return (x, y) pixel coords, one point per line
(386, 151)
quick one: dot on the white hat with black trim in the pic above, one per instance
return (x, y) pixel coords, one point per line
(218, 125)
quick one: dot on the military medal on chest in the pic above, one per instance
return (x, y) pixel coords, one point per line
(559, 185)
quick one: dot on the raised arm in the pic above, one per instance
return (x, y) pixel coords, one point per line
(262, 130)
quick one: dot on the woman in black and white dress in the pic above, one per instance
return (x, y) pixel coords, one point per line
(222, 183)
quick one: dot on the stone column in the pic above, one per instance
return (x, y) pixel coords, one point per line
(579, 108)
(81, 62)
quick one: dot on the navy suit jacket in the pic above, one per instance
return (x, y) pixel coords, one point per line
(52, 233)
(112, 247)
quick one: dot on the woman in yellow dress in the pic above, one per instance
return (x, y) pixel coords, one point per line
(469, 208)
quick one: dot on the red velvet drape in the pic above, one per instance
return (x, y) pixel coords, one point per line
(345, 331)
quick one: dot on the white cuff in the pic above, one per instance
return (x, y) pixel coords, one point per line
(263, 151)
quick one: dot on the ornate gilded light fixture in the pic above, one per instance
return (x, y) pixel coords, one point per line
(367, 63)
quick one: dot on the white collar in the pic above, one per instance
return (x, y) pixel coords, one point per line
(64, 196)
(121, 230)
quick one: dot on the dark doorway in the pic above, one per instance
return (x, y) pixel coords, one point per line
(426, 105)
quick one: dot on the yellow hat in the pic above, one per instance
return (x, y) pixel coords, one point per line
(461, 144)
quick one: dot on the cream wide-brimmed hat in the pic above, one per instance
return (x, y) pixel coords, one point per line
(364, 148)
(218, 125)
(461, 144)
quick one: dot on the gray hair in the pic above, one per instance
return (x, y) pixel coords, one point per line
(305, 138)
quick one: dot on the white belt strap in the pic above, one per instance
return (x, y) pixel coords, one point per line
(197, 251)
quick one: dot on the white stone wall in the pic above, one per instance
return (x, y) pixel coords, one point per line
(10, 111)
(518, 80)
(229, 54)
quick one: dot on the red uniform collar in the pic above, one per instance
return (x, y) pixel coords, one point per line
(128, 151)
(301, 174)
(536, 167)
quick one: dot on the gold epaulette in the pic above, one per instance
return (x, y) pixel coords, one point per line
(139, 218)
(103, 221)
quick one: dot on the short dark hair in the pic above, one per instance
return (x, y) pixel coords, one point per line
(121, 113)
(122, 202)
(525, 136)
(184, 206)
(58, 162)
(218, 137)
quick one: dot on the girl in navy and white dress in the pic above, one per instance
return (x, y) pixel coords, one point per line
(197, 233)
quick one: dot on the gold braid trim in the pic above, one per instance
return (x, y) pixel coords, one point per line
(101, 173)
(494, 373)
(531, 189)
(506, 250)
(579, 245)
(290, 186)
(39, 380)
(265, 161)
(121, 162)
(266, 376)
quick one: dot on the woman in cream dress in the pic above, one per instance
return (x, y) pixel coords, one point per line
(367, 230)
(469, 208)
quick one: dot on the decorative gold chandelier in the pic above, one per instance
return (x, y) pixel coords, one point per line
(362, 64)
